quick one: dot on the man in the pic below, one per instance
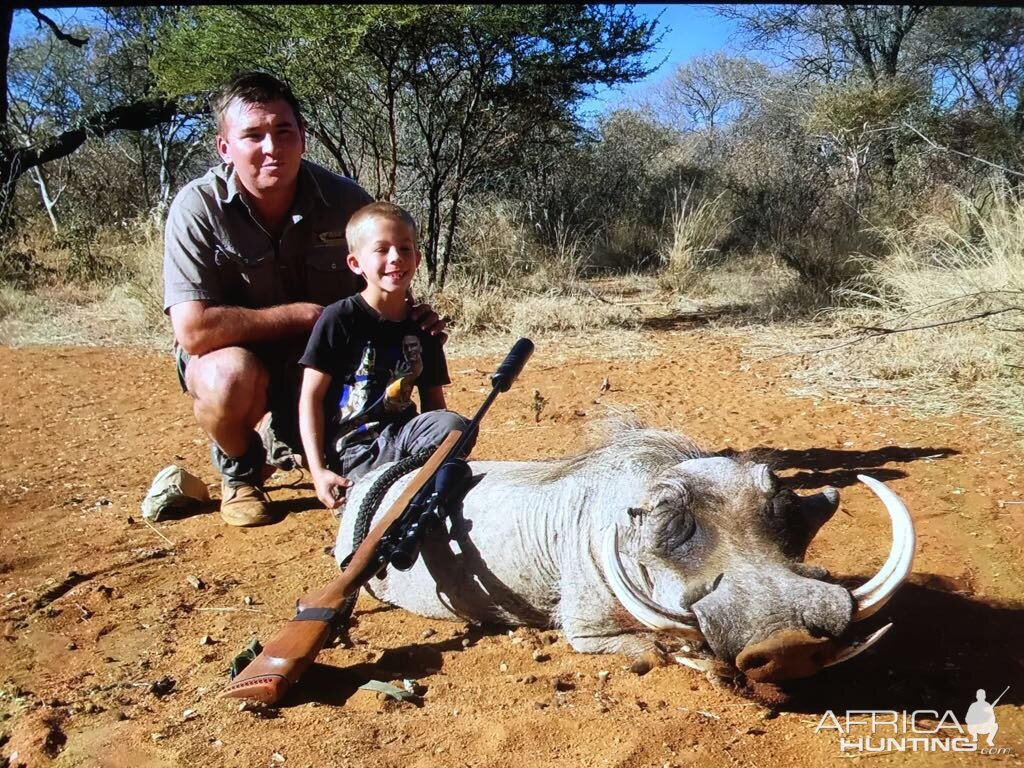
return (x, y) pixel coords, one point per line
(253, 251)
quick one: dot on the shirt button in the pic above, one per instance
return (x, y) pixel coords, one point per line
(334, 265)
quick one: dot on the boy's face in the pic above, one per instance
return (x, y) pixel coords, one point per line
(386, 255)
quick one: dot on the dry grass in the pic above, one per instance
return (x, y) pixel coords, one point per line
(941, 276)
(966, 261)
(117, 298)
(698, 227)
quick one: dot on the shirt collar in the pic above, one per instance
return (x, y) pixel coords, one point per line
(309, 188)
(231, 187)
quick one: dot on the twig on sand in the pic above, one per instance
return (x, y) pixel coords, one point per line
(229, 609)
(157, 532)
(587, 289)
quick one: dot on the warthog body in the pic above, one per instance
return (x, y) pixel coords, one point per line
(713, 543)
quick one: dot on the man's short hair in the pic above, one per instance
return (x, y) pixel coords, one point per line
(253, 88)
(374, 212)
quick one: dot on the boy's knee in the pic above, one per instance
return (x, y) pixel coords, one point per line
(433, 427)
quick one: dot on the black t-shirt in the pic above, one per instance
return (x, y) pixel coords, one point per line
(374, 364)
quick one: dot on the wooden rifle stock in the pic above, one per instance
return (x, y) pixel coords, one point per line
(281, 663)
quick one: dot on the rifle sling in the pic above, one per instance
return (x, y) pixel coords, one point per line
(363, 555)
(317, 614)
(363, 564)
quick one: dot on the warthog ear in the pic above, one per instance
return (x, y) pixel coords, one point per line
(794, 520)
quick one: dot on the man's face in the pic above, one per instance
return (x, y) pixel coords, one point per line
(265, 143)
(412, 349)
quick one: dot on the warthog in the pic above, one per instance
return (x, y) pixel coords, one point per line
(645, 546)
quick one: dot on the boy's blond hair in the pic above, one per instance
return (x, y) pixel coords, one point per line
(354, 231)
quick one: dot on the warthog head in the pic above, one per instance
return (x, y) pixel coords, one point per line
(715, 553)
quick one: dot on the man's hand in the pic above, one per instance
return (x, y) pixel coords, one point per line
(330, 488)
(424, 314)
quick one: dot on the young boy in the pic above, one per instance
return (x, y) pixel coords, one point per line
(363, 359)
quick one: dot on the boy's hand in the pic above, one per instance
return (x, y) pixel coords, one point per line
(330, 488)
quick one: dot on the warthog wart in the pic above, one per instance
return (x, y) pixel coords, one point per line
(646, 545)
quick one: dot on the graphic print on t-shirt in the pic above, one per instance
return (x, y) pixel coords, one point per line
(379, 394)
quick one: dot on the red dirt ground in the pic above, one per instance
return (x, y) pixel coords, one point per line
(84, 431)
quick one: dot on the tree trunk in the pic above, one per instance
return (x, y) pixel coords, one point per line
(8, 175)
(433, 231)
(453, 221)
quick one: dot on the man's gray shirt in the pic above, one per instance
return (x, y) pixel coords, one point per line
(215, 250)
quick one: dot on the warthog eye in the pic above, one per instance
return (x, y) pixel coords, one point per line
(676, 531)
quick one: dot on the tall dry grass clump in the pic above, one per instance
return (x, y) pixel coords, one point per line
(697, 227)
(86, 286)
(507, 281)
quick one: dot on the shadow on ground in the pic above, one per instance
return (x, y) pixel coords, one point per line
(944, 645)
(683, 320)
(336, 685)
(817, 467)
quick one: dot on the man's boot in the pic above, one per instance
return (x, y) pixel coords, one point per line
(243, 502)
(278, 442)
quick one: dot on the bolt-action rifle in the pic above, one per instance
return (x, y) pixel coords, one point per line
(393, 541)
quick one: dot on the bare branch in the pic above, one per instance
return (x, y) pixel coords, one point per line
(941, 148)
(59, 33)
(956, 299)
(877, 332)
(126, 117)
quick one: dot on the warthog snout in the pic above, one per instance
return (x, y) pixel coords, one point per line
(787, 654)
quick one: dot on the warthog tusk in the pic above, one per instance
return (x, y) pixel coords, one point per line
(853, 649)
(641, 607)
(873, 595)
(701, 665)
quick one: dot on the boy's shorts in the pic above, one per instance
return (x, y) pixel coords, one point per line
(398, 441)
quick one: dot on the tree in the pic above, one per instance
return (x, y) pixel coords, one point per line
(708, 91)
(978, 60)
(419, 102)
(833, 43)
(80, 113)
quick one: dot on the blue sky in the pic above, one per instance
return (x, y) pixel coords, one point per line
(689, 31)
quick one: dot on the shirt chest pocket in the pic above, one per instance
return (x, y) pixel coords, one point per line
(328, 277)
(249, 274)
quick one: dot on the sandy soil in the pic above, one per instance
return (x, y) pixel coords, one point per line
(108, 668)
